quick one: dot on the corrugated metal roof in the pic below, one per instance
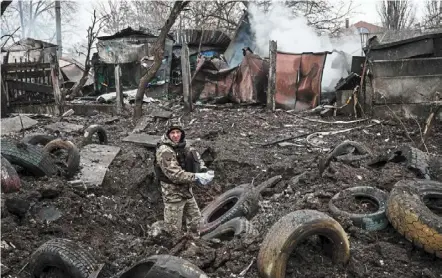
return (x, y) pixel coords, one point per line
(128, 32)
(124, 33)
(207, 37)
(28, 44)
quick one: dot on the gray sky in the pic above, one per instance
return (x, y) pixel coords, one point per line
(364, 10)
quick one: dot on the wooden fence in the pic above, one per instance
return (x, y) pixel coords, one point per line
(27, 83)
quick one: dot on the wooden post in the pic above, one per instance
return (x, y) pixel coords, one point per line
(4, 99)
(58, 95)
(272, 76)
(186, 78)
(118, 88)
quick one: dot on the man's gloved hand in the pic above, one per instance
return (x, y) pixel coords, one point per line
(204, 170)
(205, 178)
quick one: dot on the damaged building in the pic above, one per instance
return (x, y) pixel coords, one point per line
(28, 77)
(404, 75)
(208, 43)
(126, 48)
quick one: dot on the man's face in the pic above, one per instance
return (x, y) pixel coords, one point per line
(175, 135)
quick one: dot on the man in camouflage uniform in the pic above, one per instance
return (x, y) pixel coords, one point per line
(178, 167)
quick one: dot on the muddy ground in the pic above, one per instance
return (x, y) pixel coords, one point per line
(113, 221)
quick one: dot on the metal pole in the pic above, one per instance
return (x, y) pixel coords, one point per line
(58, 27)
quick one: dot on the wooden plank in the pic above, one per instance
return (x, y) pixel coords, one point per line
(186, 78)
(94, 163)
(30, 102)
(118, 88)
(407, 67)
(30, 74)
(58, 96)
(24, 65)
(271, 88)
(405, 89)
(30, 87)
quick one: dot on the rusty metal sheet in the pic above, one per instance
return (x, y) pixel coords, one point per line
(208, 85)
(298, 79)
(246, 83)
(251, 80)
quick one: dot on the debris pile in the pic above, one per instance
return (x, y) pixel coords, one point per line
(332, 204)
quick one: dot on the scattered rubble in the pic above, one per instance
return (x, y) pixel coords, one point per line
(17, 123)
(123, 207)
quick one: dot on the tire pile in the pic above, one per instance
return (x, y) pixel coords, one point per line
(408, 207)
(39, 155)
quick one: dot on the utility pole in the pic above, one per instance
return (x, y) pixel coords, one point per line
(58, 27)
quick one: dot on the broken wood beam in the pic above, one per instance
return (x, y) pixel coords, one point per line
(286, 139)
(268, 183)
(118, 88)
(272, 76)
(186, 78)
(58, 95)
(430, 120)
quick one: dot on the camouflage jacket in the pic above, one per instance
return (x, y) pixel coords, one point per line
(181, 181)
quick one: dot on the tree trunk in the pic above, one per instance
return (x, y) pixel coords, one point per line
(158, 51)
(22, 19)
(77, 87)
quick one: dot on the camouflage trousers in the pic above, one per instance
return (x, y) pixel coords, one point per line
(174, 212)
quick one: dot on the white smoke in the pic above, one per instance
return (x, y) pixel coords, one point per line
(293, 34)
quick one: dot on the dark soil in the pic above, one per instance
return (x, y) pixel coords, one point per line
(114, 221)
(354, 204)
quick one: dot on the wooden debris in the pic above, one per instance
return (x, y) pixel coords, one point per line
(285, 139)
(430, 120)
(333, 132)
(186, 78)
(327, 122)
(271, 87)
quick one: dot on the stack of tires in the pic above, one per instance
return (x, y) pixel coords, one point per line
(61, 258)
(38, 155)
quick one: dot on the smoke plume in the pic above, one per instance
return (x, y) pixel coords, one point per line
(294, 35)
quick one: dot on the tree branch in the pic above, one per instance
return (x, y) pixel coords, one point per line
(158, 50)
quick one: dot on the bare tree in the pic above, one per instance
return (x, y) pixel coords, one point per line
(158, 52)
(219, 15)
(117, 14)
(149, 14)
(432, 14)
(92, 33)
(396, 15)
(323, 15)
(36, 18)
(4, 5)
